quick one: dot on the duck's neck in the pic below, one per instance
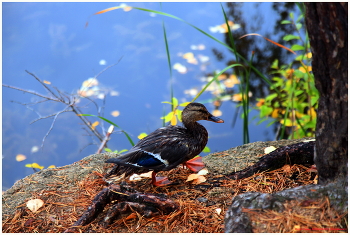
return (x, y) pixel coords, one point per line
(198, 132)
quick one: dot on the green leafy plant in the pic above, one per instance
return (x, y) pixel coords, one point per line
(296, 104)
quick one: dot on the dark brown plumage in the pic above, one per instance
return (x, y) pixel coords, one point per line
(167, 147)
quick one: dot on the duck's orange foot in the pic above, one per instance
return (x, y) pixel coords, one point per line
(195, 164)
(159, 181)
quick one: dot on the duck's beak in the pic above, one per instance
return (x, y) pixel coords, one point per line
(215, 119)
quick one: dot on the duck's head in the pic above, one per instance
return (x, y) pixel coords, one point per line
(195, 111)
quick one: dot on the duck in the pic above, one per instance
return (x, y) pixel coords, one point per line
(168, 147)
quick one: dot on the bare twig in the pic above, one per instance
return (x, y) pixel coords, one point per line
(52, 124)
(69, 100)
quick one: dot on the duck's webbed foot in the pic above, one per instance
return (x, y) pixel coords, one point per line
(195, 164)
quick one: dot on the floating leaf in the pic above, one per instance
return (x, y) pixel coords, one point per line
(20, 157)
(180, 68)
(93, 125)
(46, 82)
(115, 113)
(51, 166)
(203, 58)
(34, 149)
(35, 204)
(231, 81)
(191, 92)
(190, 58)
(198, 47)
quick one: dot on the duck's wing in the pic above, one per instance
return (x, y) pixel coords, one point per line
(163, 149)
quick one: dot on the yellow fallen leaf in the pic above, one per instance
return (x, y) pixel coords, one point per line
(269, 149)
(199, 180)
(47, 82)
(35, 204)
(192, 177)
(51, 166)
(20, 157)
(34, 165)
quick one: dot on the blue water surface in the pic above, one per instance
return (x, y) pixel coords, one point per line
(51, 40)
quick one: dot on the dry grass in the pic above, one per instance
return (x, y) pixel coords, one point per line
(202, 207)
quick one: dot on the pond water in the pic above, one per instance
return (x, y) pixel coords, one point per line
(52, 41)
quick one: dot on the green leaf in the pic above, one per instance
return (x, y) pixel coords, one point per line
(270, 97)
(179, 114)
(298, 74)
(107, 150)
(175, 101)
(299, 18)
(291, 15)
(168, 117)
(184, 104)
(290, 37)
(122, 151)
(297, 47)
(299, 25)
(274, 64)
(286, 22)
(265, 111)
(206, 149)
